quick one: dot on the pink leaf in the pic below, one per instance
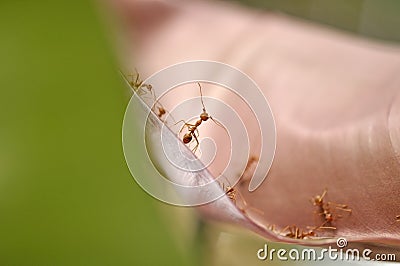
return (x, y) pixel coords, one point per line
(335, 99)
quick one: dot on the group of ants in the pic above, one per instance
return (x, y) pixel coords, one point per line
(325, 209)
(192, 129)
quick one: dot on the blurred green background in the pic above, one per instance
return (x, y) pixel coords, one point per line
(66, 195)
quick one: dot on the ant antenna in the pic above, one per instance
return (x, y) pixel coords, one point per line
(201, 97)
(204, 108)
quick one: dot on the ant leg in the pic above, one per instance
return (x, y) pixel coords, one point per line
(156, 105)
(198, 133)
(197, 143)
(297, 233)
(322, 226)
(284, 229)
(271, 227)
(324, 193)
(137, 83)
(137, 76)
(185, 125)
(291, 233)
(131, 82)
(180, 121)
(344, 209)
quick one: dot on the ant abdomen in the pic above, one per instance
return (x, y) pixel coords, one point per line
(187, 138)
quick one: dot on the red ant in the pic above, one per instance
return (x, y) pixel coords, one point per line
(193, 132)
(318, 201)
(293, 231)
(298, 233)
(161, 111)
(230, 192)
(329, 218)
(138, 85)
(233, 194)
(325, 209)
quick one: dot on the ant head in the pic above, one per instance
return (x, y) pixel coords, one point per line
(317, 200)
(204, 116)
(187, 138)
